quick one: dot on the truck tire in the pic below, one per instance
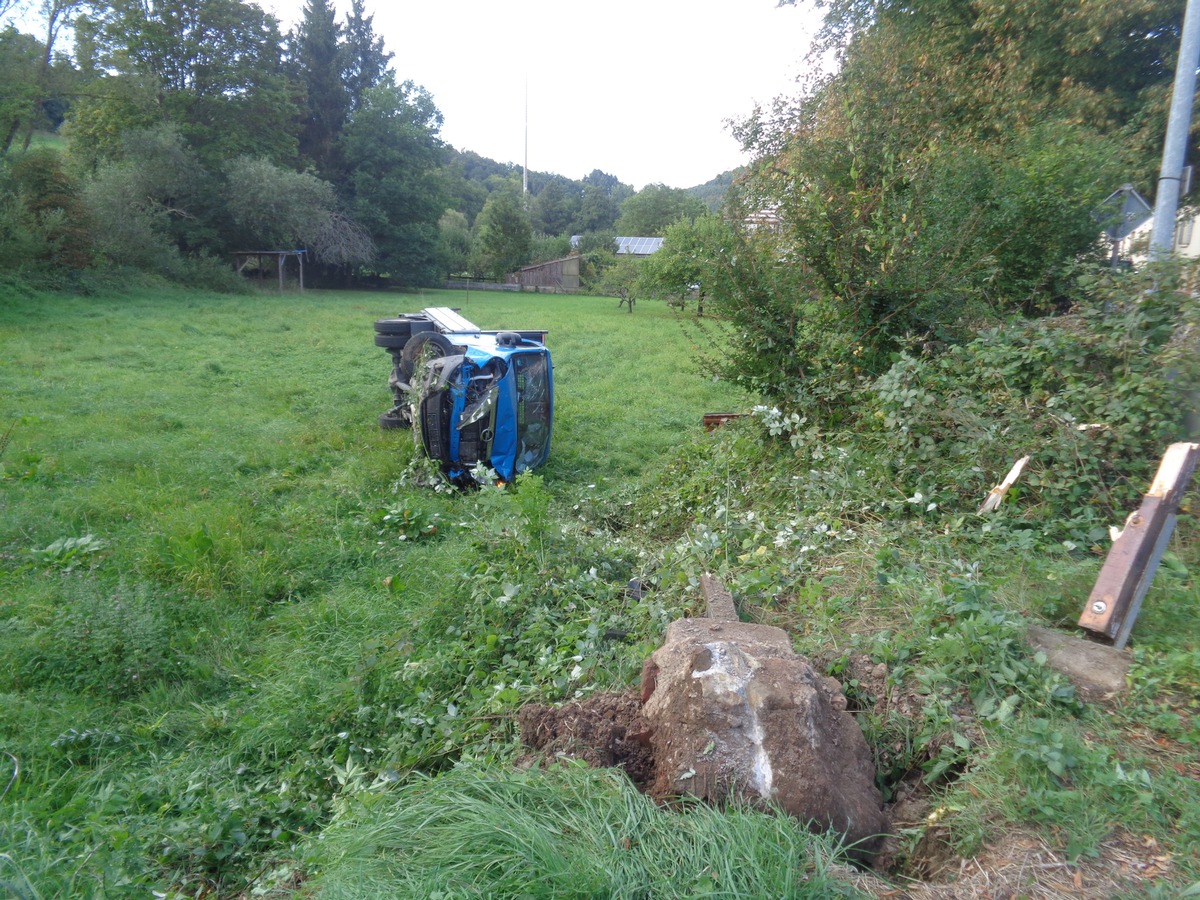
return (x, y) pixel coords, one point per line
(394, 326)
(391, 341)
(432, 342)
(390, 420)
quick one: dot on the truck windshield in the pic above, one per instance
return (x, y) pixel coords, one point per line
(533, 408)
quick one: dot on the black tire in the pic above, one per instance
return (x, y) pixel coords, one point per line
(391, 341)
(388, 420)
(433, 343)
(394, 326)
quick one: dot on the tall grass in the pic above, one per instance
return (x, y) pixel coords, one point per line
(564, 833)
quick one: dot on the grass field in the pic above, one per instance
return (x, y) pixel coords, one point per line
(240, 637)
(203, 535)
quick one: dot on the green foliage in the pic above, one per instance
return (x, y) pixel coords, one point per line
(114, 643)
(1093, 397)
(505, 237)
(392, 150)
(619, 279)
(454, 243)
(42, 220)
(20, 71)
(651, 210)
(566, 832)
(217, 67)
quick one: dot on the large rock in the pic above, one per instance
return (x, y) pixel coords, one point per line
(734, 711)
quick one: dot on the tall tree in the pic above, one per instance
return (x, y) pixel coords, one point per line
(364, 60)
(949, 170)
(393, 154)
(33, 95)
(317, 56)
(505, 235)
(554, 207)
(20, 72)
(218, 67)
(598, 211)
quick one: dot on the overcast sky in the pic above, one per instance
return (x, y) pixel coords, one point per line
(641, 90)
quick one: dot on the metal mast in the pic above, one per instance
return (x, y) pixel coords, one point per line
(1166, 199)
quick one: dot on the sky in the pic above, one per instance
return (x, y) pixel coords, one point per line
(640, 90)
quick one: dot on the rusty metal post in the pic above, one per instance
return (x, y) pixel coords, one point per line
(1129, 569)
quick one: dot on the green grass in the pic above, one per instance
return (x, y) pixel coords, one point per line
(197, 571)
(240, 641)
(569, 833)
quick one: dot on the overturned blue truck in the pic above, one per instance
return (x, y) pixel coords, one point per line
(473, 397)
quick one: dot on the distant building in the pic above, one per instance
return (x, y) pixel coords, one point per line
(631, 246)
(766, 218)
(1186, 243)
(559, 276)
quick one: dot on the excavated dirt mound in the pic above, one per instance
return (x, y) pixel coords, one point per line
(603, 730)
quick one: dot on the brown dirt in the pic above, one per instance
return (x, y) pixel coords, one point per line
(604, 730)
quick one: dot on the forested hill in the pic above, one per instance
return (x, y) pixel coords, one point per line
(574, 203)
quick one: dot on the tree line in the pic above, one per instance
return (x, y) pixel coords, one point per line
(949, 175)
(185, 130)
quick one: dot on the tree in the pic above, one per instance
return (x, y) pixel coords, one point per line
(393, 154)
(44, 214)
(364, 61)
(505, 235)
(947, 173)
(20, 73)
(277, 208)
(620, 280)
(554, 207)
(684, 266)
(317, 57)
(154, 200)
(649, 212)
(598, 211)
(454, 243)
(217, 68)
(33, 92)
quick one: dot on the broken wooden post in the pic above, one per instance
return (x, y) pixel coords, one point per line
(718, 598)
(1121, 586)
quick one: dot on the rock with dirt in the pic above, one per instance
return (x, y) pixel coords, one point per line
(734, 711)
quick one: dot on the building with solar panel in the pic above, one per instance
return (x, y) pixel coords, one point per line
(629, 246)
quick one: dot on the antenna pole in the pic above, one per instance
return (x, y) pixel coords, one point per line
(525, 174)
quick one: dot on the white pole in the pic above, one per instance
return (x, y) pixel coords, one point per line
(1166, 200)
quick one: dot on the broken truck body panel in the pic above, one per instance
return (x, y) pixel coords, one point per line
(473, 396)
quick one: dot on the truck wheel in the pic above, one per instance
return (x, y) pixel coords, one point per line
(391, 341)
(389, 420)
(430, 344)
(394, 326)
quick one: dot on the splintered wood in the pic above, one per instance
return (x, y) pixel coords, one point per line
(718, 599)
(996, 494)
(1121, 586)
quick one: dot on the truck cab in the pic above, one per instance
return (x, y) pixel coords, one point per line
(471, 396)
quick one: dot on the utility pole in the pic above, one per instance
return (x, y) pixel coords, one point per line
(525, 174)
(1166, 200)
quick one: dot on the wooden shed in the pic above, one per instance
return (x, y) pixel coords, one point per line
(557, 276)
